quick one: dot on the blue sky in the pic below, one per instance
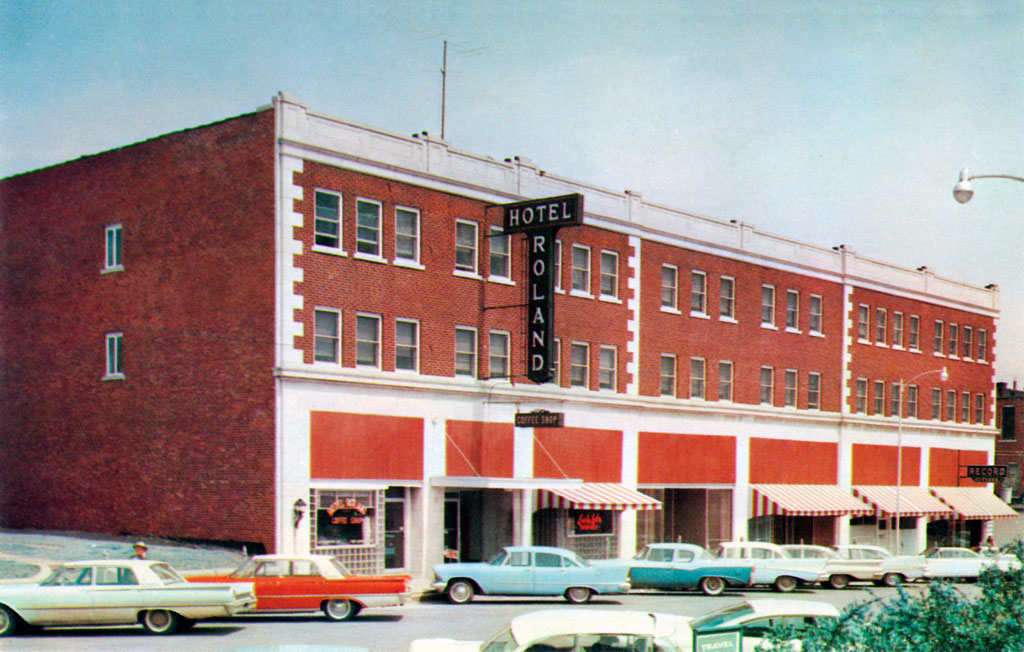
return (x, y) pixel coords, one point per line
(828, 122)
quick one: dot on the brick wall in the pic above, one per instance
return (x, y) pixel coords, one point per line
(183, 445)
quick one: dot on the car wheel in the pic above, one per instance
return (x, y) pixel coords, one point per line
(839, 581)
(785, 584)
(577, 594)
(712, 585)
(338, 610)
(8, 621)
(160, 621)
(892, 579)
(460, 592)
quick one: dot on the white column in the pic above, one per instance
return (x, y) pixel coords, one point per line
(741, 491)
(522, 516)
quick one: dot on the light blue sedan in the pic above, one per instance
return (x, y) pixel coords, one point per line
(530, 570)
(685, 567)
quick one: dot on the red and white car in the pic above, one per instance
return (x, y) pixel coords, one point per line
(293, 583)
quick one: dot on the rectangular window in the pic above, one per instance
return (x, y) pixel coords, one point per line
(912, 401)
(368, 227)
(367, 341)
(937, 340)
(465, 351)
(724, 381)
(697, 378)
(951, 405)
(895, 400)
(915, 333)
(879, 402)
(112, 259)
(698, 292)
(606, 371)
(814, 391)
(465, 246)
(791, 388)
(767, 385)
(327, 219)
(861, 405)
(668, 375)
(936, 403)
(499, 355)
(897, 330)
(954, 336)
(1008, 423)
(816, 314)
(863, 323)
(792, 310)
(669, 287)
(326, 335)
(968, 342)
(581, 269)
(767, 305)
(982, 345)
(115, 355)
(609, 274)
(556, 361)
(501, 254)
(979, 408)
(965, 407)
(558, 265)
(407, 235)
(407, 344)
(579, 365)
(727, 298)
(881, 324)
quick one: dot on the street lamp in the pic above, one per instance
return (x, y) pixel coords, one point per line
(944, 376)
(963, 191)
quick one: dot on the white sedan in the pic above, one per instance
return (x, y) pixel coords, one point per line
(109, 592)
(744, 625)
(960, 563)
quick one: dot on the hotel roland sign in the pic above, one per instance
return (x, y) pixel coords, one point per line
(539, 220)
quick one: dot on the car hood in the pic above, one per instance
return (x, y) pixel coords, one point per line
(444, 645)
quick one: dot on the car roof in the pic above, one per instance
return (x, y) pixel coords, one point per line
(554, 622)
(114, 562)
(750, 544)
(768, 607)
(675, 546)
(562, 551)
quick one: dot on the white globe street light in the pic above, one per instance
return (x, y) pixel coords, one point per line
(963, 191)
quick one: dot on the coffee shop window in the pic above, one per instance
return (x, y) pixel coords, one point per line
(346, 524)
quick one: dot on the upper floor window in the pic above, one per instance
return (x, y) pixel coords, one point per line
(937, 340)
(668, 375)
(879, 401)
(863, 323)
(697, 378)
(982, 345)
(767, 305)
(727, 298)
(465, 246)
(368, 227)
(368, 341)
(465, 351)
(897, 329)
(558, 265)
(951, 405)
(112, 259)
(816, 315)
(556, 361)
(407, 235)
(790, 388)
(698, 293)
(881, 325)
(326, 335)
(115, 355)
(954, 336)
(607, 370)
(814, 391)
(792, 310)
(968, 342)
(581, 269)
(1008, 423)
(915, 333)
(895, 400)
(579, 365)
(499, 355)
(609, 274)
(912, 401)
(767, 385)
(979, 408)
(965, 407)
(936, 403)
(669, 286)
(407, 344)
(327, 219)
(501, 255)
(725, 380)
(861, 398)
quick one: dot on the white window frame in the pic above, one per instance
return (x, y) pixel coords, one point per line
(939, 338)
(979, 408)
(414, 260)
(575, 365)
(897, 330)
(581, 289)
(361, 243)
(114, 356)
(727, 299)
(895, 400)
(698, 293)
(607, 376)
(967, 338)
(767, 388)
(864, 323)
(415, 346)
(558, 267)
(338, 248)
(471, 355)
(965, 407)
(499, 365)
(609, 276)
(912, 401)
(499, 235)
(860, 404)
(951, 405)
(982, 345)
(816, 324)
(726, 381)
(792, 311)
(954, 341)
(698, 383)
(936, 404)
(556, 361)
(768, 306)
(335, 339)
(791, 387)
(364, 317)
(814, 390)
(667, 358)
(670, 291)
(878, 399)
(881, 327)
(470, 270)
(113, 248)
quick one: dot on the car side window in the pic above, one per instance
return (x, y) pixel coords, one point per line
(85, 577)
(303, 567)
(519, 558)
(113, 575)
(660, 554)
(272, 568)
(547, 560)
(684, 556)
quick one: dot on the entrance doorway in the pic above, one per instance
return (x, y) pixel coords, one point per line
(699, 516)
(394, 528)
(477, 523)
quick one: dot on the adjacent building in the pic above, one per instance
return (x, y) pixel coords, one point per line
(1010, 445)
(299, 333)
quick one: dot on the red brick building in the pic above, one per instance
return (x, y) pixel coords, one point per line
(1010, 445)
(301, 333)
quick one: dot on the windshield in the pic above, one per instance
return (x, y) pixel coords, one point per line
(498, 559)
(340, 566)
(245, 570)
(500, 642)
(726, 615)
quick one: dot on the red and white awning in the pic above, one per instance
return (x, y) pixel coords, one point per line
(974, 503)
(805, 500)
(913, 501)
(596, 495)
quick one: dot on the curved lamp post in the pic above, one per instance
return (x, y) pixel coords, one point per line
(944, 376)
(963, 191)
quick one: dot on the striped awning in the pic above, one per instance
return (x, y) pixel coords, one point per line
(805, 500)
(913, 501)
(974, 503)
(596, 495)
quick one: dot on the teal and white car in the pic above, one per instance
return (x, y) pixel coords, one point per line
(685, 567)
(530, 570)
(119, 592)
